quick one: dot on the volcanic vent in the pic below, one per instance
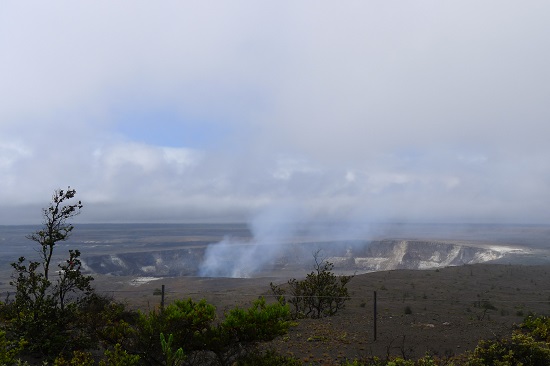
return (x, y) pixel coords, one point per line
(293, 259)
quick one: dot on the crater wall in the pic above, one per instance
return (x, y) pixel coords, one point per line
(355, 256)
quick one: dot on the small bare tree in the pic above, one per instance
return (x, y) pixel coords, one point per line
(45, 311)
(321, 293)
(55, 227)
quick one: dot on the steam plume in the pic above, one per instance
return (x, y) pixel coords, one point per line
(238, 258)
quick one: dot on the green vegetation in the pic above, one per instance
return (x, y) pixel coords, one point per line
(268, 358)
(194, 332)
(48, 308)
(9, 349)
(528, 346)
(171, 358)
(320, 294)
(56, 318)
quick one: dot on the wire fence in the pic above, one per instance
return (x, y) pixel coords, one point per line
(155, 293)
(375, 305)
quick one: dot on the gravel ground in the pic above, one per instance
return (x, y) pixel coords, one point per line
(441, 311)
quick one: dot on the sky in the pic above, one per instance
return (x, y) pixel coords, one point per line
(209, 111)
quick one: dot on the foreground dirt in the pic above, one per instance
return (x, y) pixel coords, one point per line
(443, 312)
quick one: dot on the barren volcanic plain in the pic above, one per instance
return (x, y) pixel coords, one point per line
(439, 288)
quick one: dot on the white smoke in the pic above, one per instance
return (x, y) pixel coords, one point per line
(285, 231)
(238, 258)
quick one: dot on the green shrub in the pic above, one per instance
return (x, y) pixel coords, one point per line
(193, 328)
(320, 294)
(118, 357)
(172, 358)
(9, 349)
(242, 329)
(260, 322)
(45, 312)
(268, 358)
(537, 326)
(78, 359)
(520, 349)
(399, 361)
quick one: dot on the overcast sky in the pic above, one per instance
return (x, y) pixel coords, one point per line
(177, 111)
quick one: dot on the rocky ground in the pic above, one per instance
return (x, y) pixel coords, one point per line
(441, 311)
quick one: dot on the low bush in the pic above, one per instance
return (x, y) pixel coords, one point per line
(320, 294)
(268, 358)
(193, 328)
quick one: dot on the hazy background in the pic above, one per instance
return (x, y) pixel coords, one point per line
(421, 111)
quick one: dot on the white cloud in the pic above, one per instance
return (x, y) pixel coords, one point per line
(350, 177)
(144, 158)
(286, 167)
(181, 158)
(11, 152)
(424, 111)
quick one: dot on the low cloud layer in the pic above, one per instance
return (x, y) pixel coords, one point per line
(174, 112)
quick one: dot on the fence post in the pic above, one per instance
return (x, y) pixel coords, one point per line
(162, 298)
(374, 316)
